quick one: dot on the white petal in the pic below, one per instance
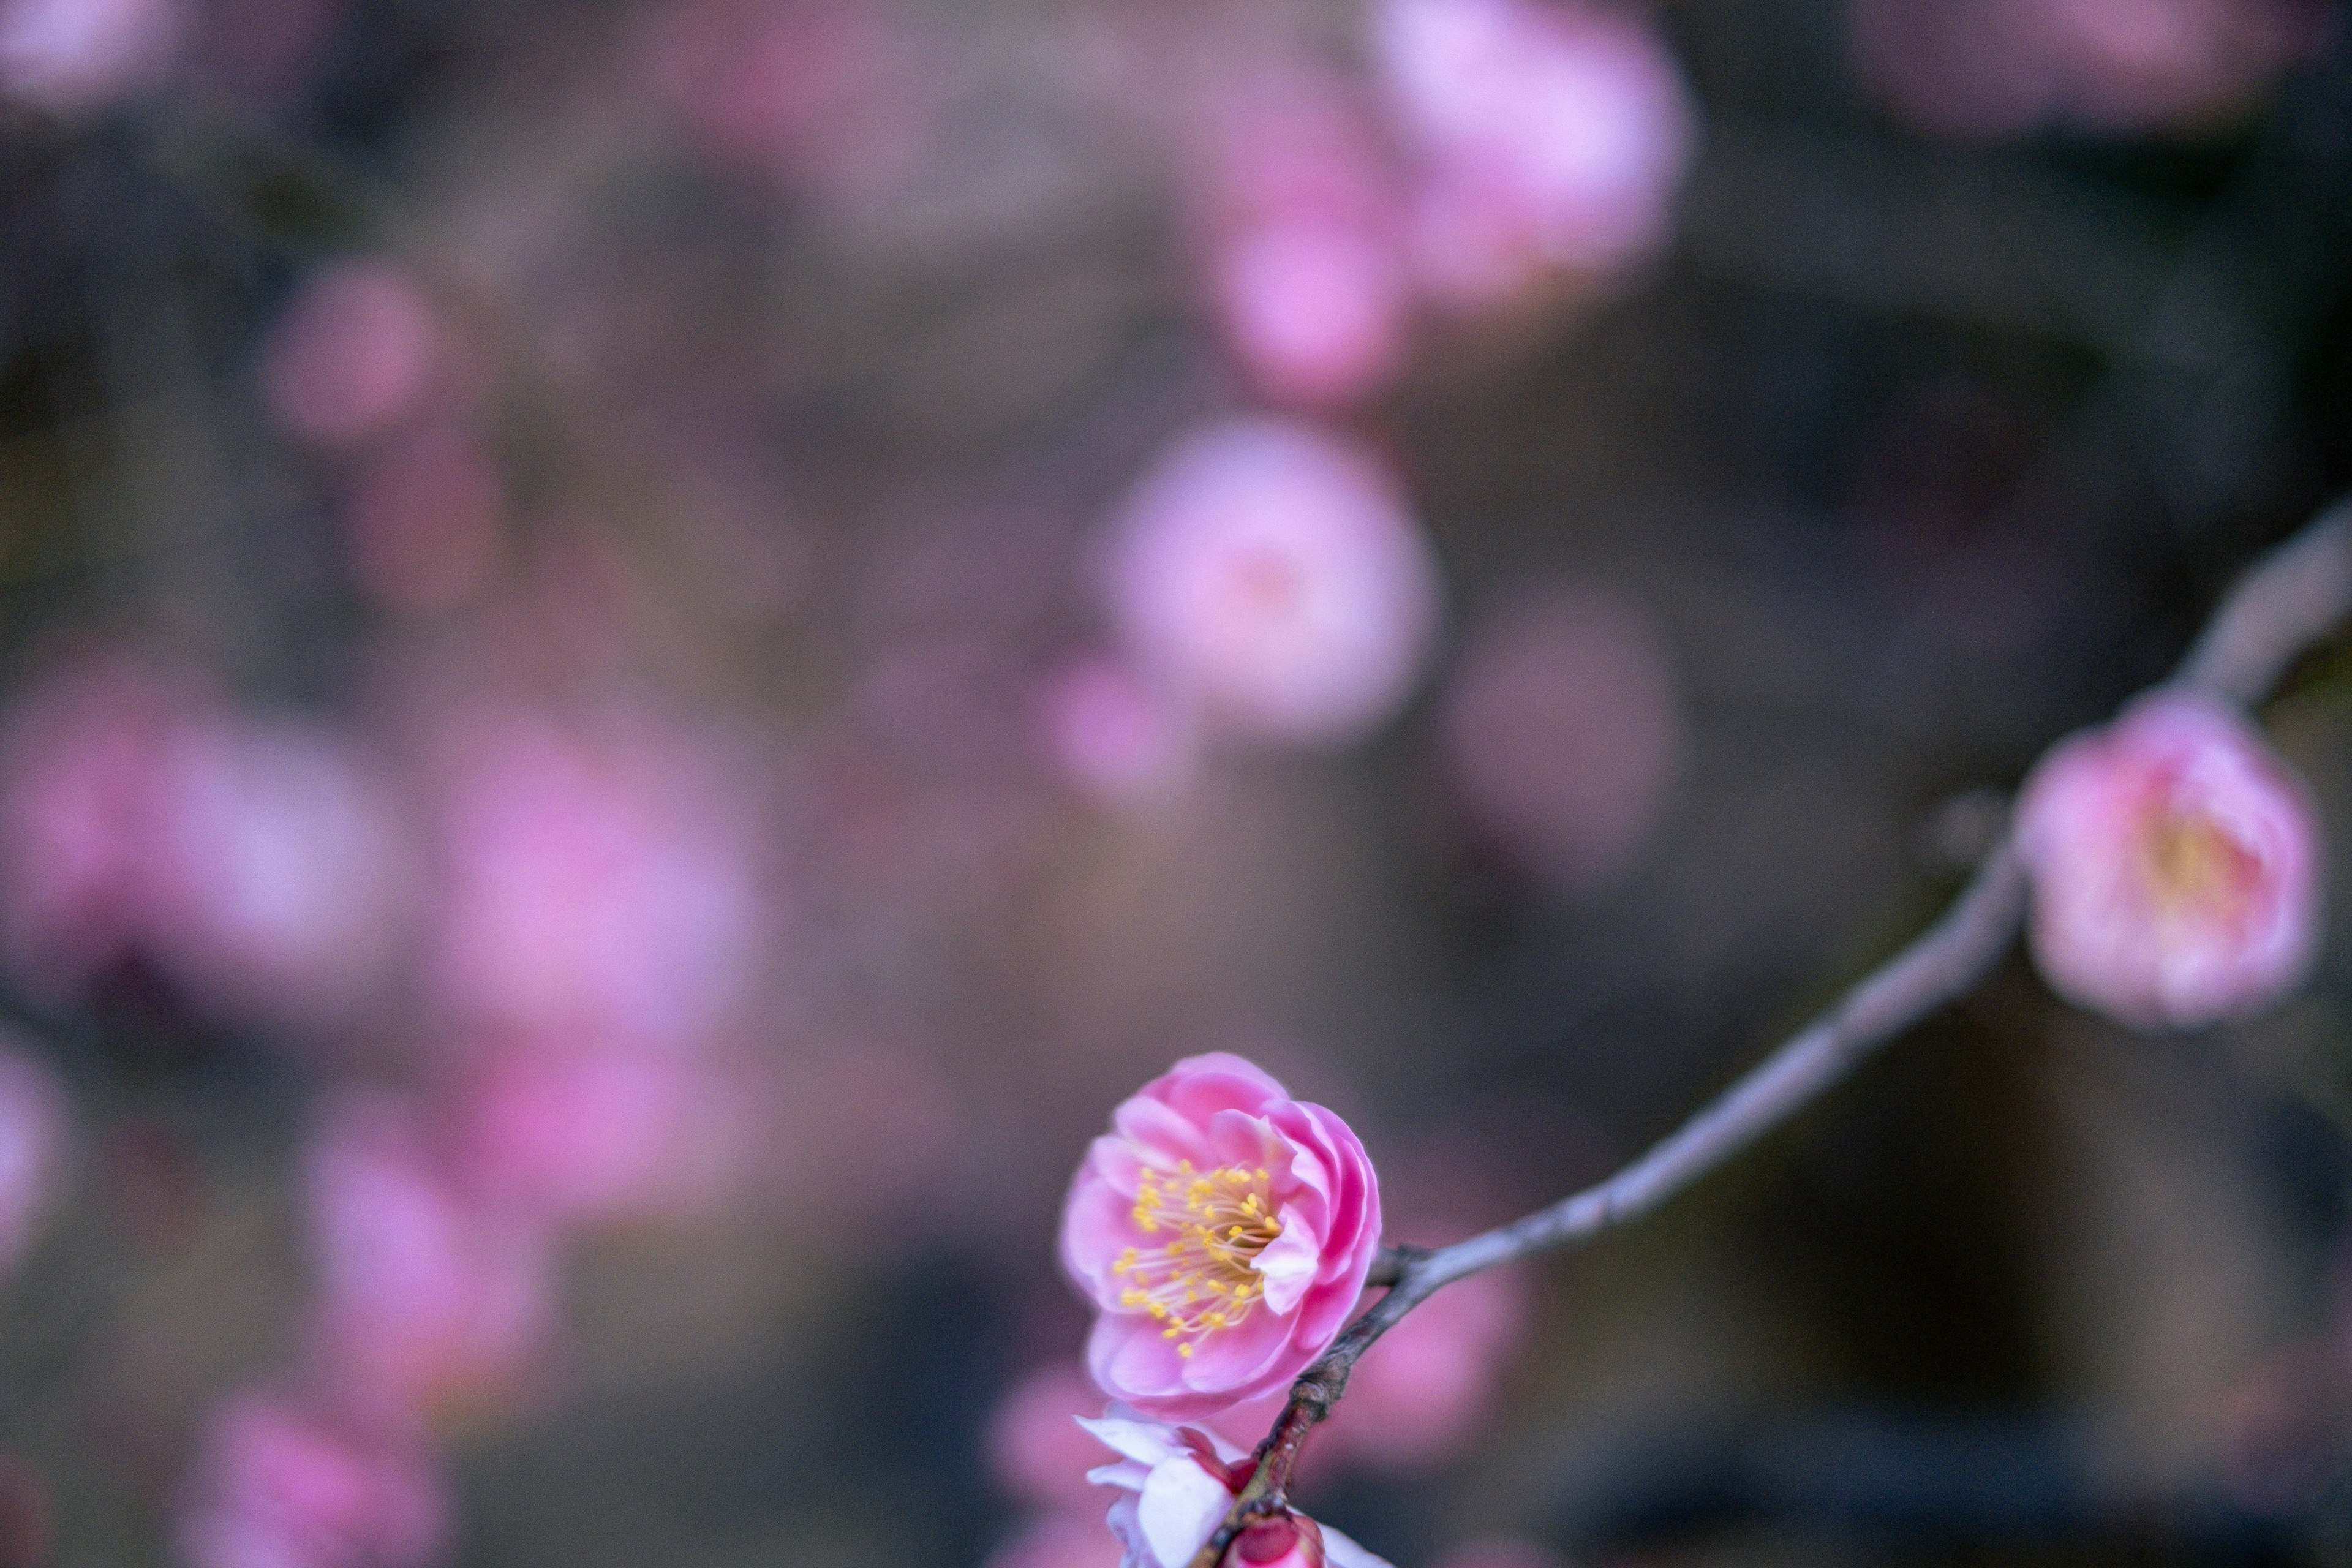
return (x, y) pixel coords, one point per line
(1340, 1552)
(1180, 1509)
(1288, 1262)
(1146, 1442)
(1126, 1473)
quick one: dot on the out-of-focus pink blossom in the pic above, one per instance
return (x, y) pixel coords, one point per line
(2174, 859)
(78, 769)
(1272, 570)
(1999, 68)
(600, 881)
(1175, 1485)
(32, 1148)
(70, 56)
(1117, 736)
(1562, 728)
(825, 95)
(1062, 1540)
(278, 1484)
(1419, 1396)
(359, 353)
(280, 881)
(1545, 138)
(1037, 1450)
(569, 1135)
(1302, 239)
(1224, 1231)
(428, 1299)
(426, 520)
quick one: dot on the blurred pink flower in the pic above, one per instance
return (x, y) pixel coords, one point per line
(1301, 236)
(279, 1485)
(426, 520)
(1544, 137)
(1562, 728)
(1272, 569)
(569, 1135)
(280, 876)
(429, 1299)
(1224, 1232)
(70, 56)
(32, 1150)
(1418, 1396)
(2175, 865)
(1037, 1450)
(357, 354)
(1117, 737)
(1060, 1539)
(78, 809)
(1176, 1485)
(600, 881)
(1997, 67)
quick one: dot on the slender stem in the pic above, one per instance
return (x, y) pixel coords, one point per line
(2290, 600)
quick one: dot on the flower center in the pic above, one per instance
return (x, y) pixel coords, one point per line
(1205, 1278)
(2195, 865)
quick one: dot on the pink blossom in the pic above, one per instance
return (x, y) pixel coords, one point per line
(1224, 1232)
(278, 876)
(428, 1299)
(1271, 569)
(571, 1133)
(1302, 238)
(77, 765)
(2174, 859)
(1176, 1485)
(1116, 735)
(32, 1149)
(1545, 138)
(71, 56)
(280, 1485)
(1997, 67)
(357, 354)
(1563, 733)
(600, 881)
(1035, 1450)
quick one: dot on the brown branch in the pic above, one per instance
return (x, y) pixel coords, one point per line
(2290, 600)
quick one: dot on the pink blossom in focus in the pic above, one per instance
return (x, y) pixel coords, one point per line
(1272, 570)
(1175, 1485)
(356, 355)
(1117, 737)
(1421, 1393)
(569, 1135)
(600, 881)
(1544, 137)
(1037, 1450)
(428, 1299)
(70, 56)
(1062, 1540)
(1562, 732)
(280, 1485)
(280, 880)
(2175, 861)
(1223, 1231)
(426, 520)
(1302, 239)
(32, 1149)
(77, 765)
(2001, 68)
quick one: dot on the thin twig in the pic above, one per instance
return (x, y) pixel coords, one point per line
(2290, 600)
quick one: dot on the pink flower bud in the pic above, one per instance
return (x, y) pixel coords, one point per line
(2174, 859)
(1176, 1485)
(1272, 570)
(279, 1485)
(1224, 1231)
(1117, 736)
(356, 355)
